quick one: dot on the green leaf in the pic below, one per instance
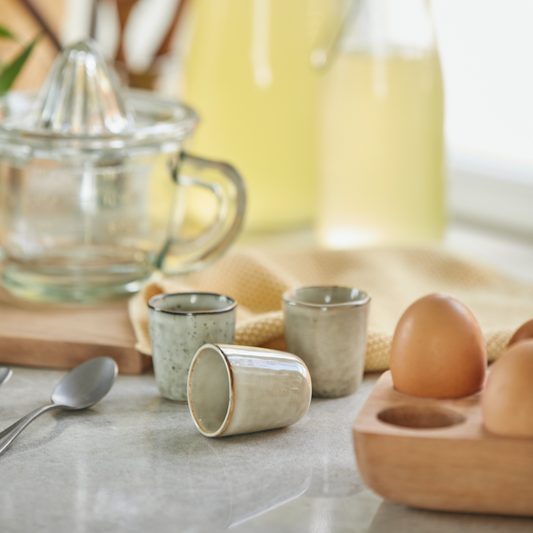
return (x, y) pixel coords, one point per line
(6, 34)
(11, 71)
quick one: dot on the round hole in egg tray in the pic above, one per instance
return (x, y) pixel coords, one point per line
(420, 417)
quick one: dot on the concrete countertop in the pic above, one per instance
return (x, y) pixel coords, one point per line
(135, 462)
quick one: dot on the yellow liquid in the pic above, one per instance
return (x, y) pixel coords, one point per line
(382, 151)
(248, 75)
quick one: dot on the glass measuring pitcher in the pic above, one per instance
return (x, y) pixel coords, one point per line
(93, 187)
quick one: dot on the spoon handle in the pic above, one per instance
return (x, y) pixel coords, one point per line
(5, 374)
(11, 433)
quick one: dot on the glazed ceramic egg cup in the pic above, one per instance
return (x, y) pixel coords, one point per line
(327, 327)
(179, 325)
(240, 389)
(435, 454)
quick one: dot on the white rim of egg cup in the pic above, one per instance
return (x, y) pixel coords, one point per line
(296, 297)
(228, 375)
(158, 300)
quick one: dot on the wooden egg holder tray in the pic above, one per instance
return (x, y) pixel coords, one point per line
(435, 454)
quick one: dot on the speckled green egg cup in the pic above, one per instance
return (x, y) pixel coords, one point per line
(180, 324)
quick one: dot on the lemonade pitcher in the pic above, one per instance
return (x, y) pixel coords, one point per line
(381, 127)
(247, 73)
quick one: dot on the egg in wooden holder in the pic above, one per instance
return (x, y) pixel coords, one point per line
(421, 440)
(438, 350)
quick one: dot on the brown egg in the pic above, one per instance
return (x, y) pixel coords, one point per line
(525, 331)
(508, 397)
(438, 350)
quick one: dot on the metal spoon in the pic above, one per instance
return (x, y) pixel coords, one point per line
(81, 388)
(5, 374)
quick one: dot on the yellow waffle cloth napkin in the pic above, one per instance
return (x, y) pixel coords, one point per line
(393, 277)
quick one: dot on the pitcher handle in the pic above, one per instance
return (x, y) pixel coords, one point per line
(226, 184)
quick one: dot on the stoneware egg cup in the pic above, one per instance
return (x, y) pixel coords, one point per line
(327, 326)
(180, 324)
(436, 454)
(243, 389)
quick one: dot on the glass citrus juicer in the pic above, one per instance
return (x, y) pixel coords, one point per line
(94, 182)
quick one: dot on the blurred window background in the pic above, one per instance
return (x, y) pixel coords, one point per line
(486, 51)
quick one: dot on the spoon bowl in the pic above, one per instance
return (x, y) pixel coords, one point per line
(86, 384)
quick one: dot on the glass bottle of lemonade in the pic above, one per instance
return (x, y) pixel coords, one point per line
(247, 73)
(381, 129)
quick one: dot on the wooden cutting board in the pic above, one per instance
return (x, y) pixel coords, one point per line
(436, 454)
(62, 337)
